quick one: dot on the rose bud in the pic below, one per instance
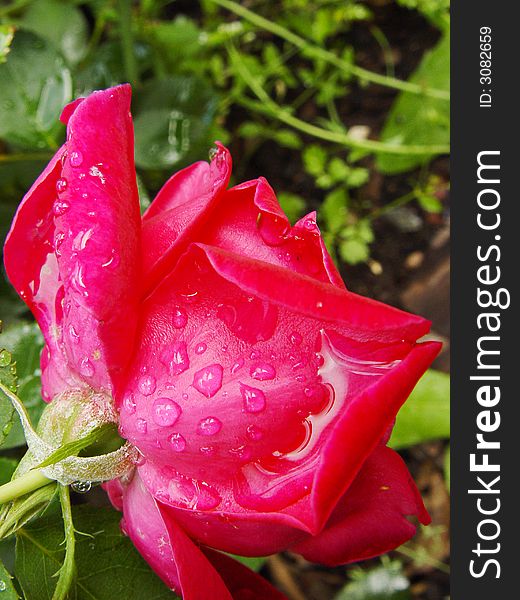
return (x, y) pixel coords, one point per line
(259, 392)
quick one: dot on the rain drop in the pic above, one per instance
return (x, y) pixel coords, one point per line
(208, 380)
(141, 425)
(254, 399)
(177, 442)
(60, 207)
(76, 158)
(209, 426)
(147, 385)
(129, 404)
(86, 368)
(179, 318)
(263, 372)
(61, 185)
(254, 433)
(201, 348)
(166, 412)
(81, 487)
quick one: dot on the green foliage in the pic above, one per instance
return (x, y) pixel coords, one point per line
(9, 379)
(107, 564)
(426, 414)
(24, 341)
(36, 84)
(60, 23)
(7, 590)
(172, 118)
(384, 582)
(7, 467)
(416, 119)
(6, 37)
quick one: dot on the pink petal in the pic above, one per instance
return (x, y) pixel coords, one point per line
(181, 205)
(370, 518)
(250, 222)
(72, 252)
(342, 365)
(243, 583)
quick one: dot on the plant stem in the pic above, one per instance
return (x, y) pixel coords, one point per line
(127, 41)
(323, 54)
(268, 106)
(67, 570)
(32, 480)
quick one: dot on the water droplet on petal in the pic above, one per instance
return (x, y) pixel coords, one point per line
(129, 404)
(60, 207)
(86, 368)
(296, 338)
(254, 433)
(147, 385)
(263, 372)
(208, 380)
(207, 450)
(254, 399)
(176, 358)
(179, 318)
(76, 158)
(209, 426)
(177, 442)
(141, 425)
(61, 185)
(201, 348)
(166, 412)
(238, 365)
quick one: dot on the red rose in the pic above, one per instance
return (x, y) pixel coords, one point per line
(258, 390)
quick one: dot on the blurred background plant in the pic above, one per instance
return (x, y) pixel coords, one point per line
(343, 105)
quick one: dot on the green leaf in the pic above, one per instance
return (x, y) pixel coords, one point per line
(6, 37)
(255, 563)
(7, 591)
(25, 343)
(60, 23)
(292, 205)
(107, 564)
(9, 379)
(354, 250)
(36, 84)
(415, 119)
(429, 203)
(314, 159)
(426, 413)
(7, 467)
(385, 582)
(334, 210)
(172, 121)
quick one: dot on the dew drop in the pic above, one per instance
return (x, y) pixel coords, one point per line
(263, 372)
(81, 487)
(177, 442)
(296, 338)
(60, 207)
(141, 425)
(254, 433)
(129, 404)
(208, 380)
(166, 412)
(238, 365)
(201, 348)
(76, 158)
(61, 185)
(254, 399)
(207, 450)
(179, 318)
(5, 358)
(147, 385)
(209, 426)
(86, 368)
(176, 358)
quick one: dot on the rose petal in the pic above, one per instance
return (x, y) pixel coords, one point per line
(370, 518)
(250, 222)
(240, 404)
(72, 252)
(181, 205)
